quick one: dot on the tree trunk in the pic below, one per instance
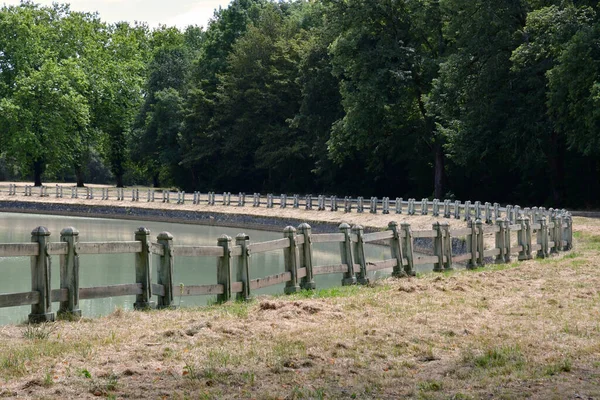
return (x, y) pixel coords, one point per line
(38, 170)
(438, 167)
(119, 179)
(156, 180)
(79, 175)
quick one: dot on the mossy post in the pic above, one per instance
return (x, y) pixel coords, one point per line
(347, 259)
(447, 246)
(291, 259)
(224, 269)
(522, 239)
(438, 247)
(480, 244)
(568, 232)
(507, 240)
(165, 270)
(306, 259)
(542, 238)
(407, 249)
(500, 241)
(397, 253)
(243, 266)
(472, 245)
(143, 271)
(69, 273)
(359, 254)
(40, 278)
(556, 234)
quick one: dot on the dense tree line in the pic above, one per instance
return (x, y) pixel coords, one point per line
(474, 99)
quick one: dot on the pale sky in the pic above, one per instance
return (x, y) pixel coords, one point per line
(180, 13)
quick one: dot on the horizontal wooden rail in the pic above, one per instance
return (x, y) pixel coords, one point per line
(109, 247)
(197, 290)
(19, 299)
(460, 232)
(19, 249)
(57, 248)
(158, 249)
(272, 245)
(110, 291)
(270, 280)
(330, 269)
(424, 234)
(198, 251)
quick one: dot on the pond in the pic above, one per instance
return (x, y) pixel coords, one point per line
(101, 270)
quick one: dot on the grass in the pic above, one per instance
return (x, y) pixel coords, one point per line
(503, 331)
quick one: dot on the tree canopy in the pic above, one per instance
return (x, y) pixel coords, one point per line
(474, 99)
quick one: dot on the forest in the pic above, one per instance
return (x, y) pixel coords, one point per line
(469, 99)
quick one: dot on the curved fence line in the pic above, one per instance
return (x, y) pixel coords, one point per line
(235, 277)
(468, 210)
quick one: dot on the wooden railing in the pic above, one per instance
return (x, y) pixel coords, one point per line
(487, 212)
(540, 239)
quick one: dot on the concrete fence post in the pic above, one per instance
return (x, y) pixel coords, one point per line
(397, 253)
(436, 208)
(306, 259)
(69, 273)
(143, 271)
(346, 253)
(488, 213)
(296, 201)
(165, 270)
(500, 241)
(568, 232)
(291, 260)
(40, 278)
(283, 201)
(457, 209)
(480, 243)
(360, 205)
(243, 266)
(398, 205)
(407, 249)
(359, 254)
(522, 239)
(467, 210)
(556, 234)
(438, 247)
(224, 269)
(542, 238)
(472, 245)
(424, 207)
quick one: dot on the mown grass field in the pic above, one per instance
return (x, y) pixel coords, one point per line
(524, 330)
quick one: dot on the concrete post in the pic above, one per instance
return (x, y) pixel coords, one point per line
(143, 271)
(359, 254)
(308, 282)
(396, 247)
(69, 273)
(40, 278)
(346, 253)
(243, 266)
(407, 249)
(165, 270)
(224, 269)
(291, 260)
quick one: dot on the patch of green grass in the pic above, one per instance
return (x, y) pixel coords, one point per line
(430, 385)
(502, 360)
(14, 362)
(564, 365)
(340, 291)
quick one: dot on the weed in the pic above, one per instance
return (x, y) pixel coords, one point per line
(190, 371)
(564, 365)
(39, 331)
(85, 373)
(430, 385)
(502, 360)
(48, 380)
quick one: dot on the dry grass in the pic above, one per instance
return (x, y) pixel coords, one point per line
(526, 330)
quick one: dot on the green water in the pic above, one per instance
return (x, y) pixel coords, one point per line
(101, 270)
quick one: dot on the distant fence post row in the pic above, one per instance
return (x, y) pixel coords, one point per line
(487, 212)
(235, 275)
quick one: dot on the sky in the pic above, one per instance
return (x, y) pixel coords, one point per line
(180, 13)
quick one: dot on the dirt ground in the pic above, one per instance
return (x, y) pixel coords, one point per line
(525, 330)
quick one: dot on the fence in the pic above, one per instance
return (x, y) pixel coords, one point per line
(487, 212)
(521, 239)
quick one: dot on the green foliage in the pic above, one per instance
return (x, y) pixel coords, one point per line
(359, 97)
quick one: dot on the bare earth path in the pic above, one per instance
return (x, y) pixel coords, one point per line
(525, 330)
